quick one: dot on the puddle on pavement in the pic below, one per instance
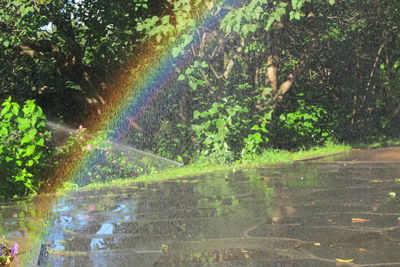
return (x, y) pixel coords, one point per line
(302, 214)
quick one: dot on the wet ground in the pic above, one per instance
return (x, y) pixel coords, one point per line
(388, 154)
(317, 213)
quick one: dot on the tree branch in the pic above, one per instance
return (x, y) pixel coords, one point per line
(232, 61)
(218, 76)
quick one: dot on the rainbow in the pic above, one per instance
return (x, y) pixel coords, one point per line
(134, 89)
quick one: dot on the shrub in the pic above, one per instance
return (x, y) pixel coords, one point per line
(220, 128)
(23, 145)
(305, 127)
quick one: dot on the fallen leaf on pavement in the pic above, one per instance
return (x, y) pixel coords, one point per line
(342, 260)
(359, 220)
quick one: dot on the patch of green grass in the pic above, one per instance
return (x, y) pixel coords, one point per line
(275, 156)
(201, 167)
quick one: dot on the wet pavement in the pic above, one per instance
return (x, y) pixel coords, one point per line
(317, 213)
(387, 154)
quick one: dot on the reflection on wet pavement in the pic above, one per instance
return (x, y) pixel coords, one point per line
(301, 214)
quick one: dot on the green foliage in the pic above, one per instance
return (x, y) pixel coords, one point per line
(306, 127)
(257, 16)
(171, 27)
(59, 52)
(23, 146)
(174, 142)
(219, 129)
(258, 139)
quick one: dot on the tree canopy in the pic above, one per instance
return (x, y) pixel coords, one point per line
(64, 53)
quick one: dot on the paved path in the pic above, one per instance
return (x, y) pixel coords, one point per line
(302, 214)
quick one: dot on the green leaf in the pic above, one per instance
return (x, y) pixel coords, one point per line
(308, 124)
(32, 132)
(140, 27)
(165, 19)
(197, 129)
(29, 150)
(204, 64)
(176, 51)
(23, 124)
(220, 123)
(40, 142)
(39, 112)
(5, 109)
(3, 131)
(158, 38)
(213, 110)
(245, 29)
(25, 10)
(187, 40)
(181, 77)
(228, 28)
(196, 114)
(27, 138)
(270, 21)
(294, 4)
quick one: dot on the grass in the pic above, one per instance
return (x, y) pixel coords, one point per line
(201, 167)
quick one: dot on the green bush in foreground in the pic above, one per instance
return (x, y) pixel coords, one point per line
(23, 138)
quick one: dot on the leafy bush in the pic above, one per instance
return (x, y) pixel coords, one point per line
(23, 145)
(305, 127)
(218, 133)
(258, 139)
